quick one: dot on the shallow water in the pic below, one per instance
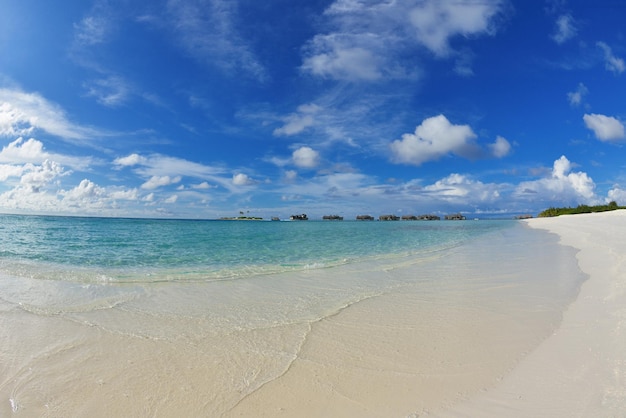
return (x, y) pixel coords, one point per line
(104, 327)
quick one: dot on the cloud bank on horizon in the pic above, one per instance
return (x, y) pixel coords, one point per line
(204, 108)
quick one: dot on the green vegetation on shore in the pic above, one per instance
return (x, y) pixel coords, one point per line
(579, 209)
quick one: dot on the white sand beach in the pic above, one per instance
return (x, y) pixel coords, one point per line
(508, 326)
(579, 371)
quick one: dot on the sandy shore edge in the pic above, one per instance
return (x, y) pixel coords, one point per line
(580, 371)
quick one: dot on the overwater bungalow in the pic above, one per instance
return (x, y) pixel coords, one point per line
(455, 217)
(301, 217)
(428, 218)
(388, 218)
(364, 218)
(332, 218)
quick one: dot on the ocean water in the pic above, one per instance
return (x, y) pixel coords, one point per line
(93, 250)
(137, 317)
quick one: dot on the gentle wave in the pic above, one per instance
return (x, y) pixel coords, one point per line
(95, 250)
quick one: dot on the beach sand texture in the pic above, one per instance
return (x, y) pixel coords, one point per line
(495, 336)
(580, 370)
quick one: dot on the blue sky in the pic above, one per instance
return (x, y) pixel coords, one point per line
(205, 108)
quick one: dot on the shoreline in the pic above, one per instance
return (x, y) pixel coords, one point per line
(419, 352)
(413, 337)
(580, 370)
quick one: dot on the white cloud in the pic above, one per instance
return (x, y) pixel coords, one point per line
(561, 187)
(172, 199)
(368, 40)
(433, 139)
(618, 195)
(501, 148)
(13, 122)
(85, 190)
(241, 179)
(38, 177)
(291, 175)
(339, 59)
(297, 122)
(89, 196)
(21, 113)
(32, 151)
(160, 181)
(20, 151)
(163, 165)
(10, 170)
(123, 193)
(130, 160)
(606, 128)
(39, 191)
(460, 188)
(305, 157)
(565, 29)
(611, 62)
(435, 22)
(156, 168)
(576, 97)
(202, 186)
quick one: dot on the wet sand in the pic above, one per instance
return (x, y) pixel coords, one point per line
(443, 336)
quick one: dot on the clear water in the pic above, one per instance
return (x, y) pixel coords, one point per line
(146, 250)
(135, 317)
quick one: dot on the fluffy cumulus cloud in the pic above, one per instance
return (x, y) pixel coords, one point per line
(32, 151)
(501, 148)
(605, 128)
(13, 121)
(90, 195)
(86, 189)
(435, 22)
(368, 39)
(20, 151)
(617, 194)
(241, 179)
(433, 139)
(305, 157)
(562, 186)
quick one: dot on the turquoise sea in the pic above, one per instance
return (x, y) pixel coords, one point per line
(93, 250)
(147, 317)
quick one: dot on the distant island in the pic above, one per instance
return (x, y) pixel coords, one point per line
(550, 212)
